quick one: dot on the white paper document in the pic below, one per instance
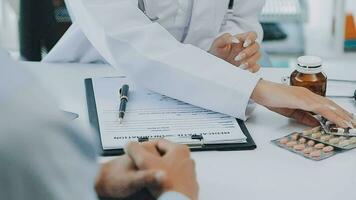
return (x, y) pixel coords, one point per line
(151, 115)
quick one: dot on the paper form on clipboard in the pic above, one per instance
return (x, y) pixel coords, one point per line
(151, 115)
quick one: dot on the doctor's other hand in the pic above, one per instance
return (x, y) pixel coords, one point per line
(120, 178)
(241, 50)
(174, 162)
(295, 102)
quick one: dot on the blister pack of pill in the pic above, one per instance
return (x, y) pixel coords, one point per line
(339, 141)
(332, 129)
(306, 147)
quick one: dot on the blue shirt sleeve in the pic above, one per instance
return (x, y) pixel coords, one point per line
(173, 196)
(43, 156)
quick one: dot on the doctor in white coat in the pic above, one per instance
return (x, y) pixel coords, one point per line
(165, 50)
(233, 35)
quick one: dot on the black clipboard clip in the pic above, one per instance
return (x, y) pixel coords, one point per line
(192, 141)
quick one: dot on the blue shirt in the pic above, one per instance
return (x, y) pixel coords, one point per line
(42, 155)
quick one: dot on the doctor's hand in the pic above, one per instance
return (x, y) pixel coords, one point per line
(294, 102)
(120, 178)
(174, 162)
(241, 50)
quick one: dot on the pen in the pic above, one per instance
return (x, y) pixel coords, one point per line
(124, 98)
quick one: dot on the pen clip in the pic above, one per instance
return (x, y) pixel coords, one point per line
(124, 97)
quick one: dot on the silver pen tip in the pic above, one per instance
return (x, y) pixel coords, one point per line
(120, 120)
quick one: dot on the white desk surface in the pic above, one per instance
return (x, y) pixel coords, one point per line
(265, 173)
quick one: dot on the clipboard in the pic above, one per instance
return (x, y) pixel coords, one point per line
(196, 142)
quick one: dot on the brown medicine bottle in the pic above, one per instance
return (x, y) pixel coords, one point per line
(309, 74)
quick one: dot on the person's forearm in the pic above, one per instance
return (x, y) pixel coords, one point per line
(293, 101)
(267, 93)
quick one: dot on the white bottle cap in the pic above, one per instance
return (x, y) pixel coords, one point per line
(309, 64)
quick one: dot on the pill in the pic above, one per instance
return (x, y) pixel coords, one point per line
(315, 153)
(319, 146)
(328, 149)
(325, 138)
(344, 143)
(353, 140)
(306, 133)
(352, 131)
(307, 150)
(284, 140)
(299, 147)
(334, 140)
(295, 136)
(302, 141)
(311, 143)
(316, 129)
(291, 143)
(316, 135)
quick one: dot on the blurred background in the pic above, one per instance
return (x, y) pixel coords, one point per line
(326, 28)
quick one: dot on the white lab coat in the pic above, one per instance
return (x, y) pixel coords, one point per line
(125, 38)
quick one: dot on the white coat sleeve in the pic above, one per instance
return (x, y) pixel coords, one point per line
(73, 47)
(244, 18)
(153, 58)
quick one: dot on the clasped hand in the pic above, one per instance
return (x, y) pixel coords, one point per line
(159, 166)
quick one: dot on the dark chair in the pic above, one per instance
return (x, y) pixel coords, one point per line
(42, 24)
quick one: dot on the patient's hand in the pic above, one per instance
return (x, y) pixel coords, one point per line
(178, 169)
(241, 50)
(120, 178)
